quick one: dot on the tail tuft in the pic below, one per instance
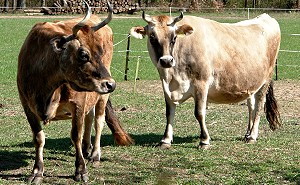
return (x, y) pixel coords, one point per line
(271, 109)
(123, 139)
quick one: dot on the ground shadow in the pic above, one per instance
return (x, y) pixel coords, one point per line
(154, 139)
(151, 139)
(12, 160)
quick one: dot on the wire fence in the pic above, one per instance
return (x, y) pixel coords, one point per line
(292, 54)
(137, 54)
(288, 61)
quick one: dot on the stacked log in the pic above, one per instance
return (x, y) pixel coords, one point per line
(97, 6)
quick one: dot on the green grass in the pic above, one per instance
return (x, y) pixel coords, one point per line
(273, 160)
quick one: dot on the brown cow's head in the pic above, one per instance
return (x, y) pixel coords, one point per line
(162, 33)
(80, 57)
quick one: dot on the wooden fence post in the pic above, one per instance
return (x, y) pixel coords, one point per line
(276, 69)
(127, 58)
(136, 74)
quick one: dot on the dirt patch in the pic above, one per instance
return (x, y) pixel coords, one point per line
(287, 93)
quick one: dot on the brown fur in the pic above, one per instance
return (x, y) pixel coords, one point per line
(162, 20)
(47, 76)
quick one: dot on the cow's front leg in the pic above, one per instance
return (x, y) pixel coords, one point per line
(99, 124)
(166, 141)
(199, 112)
(76, 137)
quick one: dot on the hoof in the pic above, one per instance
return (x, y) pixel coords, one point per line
(250, 141)
(95, 156)
(164, 146)
(81, 177)
(35, 179)
(204, 146)
(95, 164)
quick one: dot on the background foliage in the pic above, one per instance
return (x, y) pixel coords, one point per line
(188, 3)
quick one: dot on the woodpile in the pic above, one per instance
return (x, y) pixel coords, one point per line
(97, 6)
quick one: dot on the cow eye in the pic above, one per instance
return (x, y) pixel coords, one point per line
(152, 37)
(173, 40)
(83, 55)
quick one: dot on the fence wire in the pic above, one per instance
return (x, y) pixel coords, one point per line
(136, 55)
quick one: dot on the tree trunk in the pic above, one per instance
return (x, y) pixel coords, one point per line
(14, 4)
(43, 3)
(6, 5)
(298, 3)
(246, 3)
(21, 4)
(253, 3)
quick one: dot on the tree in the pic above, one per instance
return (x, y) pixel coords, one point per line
(246, 3)
(14, 5)
(43, 3)
(6, 5)
(21, 4)
(298, 3)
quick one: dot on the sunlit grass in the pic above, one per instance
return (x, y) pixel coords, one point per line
(273, 160)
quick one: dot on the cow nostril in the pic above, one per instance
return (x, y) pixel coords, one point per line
(166, 62)
(110, 86)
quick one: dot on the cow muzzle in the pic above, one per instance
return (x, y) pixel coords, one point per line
(166, 61)
(106, 86)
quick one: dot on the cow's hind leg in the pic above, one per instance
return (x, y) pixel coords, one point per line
(251, 107)
(36, 176)
(99, 124)
(255, 107)
(86, 142)
(199, 112)
(167, 139)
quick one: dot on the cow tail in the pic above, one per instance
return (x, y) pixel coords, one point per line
(121, 137)
(271, 109)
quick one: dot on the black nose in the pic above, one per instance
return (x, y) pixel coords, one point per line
(166, 62)
(110, 86)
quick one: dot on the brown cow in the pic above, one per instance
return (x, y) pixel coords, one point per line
(214, 62)
(64, 73)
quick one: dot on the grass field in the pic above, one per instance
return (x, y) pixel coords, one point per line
(273, 160)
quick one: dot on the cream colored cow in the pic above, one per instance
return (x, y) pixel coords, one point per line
(214, 62)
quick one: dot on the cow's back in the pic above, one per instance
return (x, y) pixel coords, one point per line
(234, 58)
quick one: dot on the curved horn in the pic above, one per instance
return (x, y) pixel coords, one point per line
(79, 25)
(177, 19)
(82, 23)
(107, 20)
(147, 18)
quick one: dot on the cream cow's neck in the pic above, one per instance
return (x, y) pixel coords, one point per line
(177, 87)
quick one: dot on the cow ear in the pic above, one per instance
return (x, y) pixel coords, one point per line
(57, 44)
(138, 32)
(184, 30)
